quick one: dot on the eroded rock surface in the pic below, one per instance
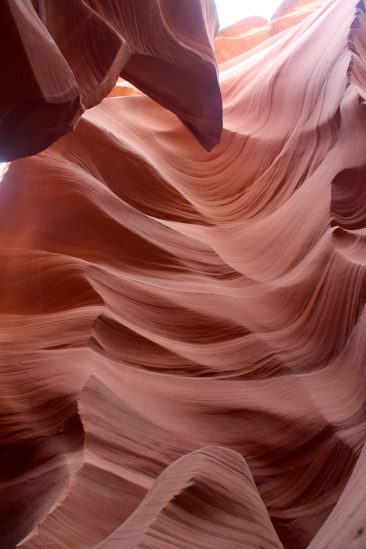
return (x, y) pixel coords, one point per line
(183, 332)
(62, 57)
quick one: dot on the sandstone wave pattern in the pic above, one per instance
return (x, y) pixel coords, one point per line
(183, 330)
(69, 54)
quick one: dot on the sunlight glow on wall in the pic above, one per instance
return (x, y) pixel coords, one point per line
(3, 168)
(231, 11)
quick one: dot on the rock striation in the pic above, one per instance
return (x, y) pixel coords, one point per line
(183, 332)
(64, 57)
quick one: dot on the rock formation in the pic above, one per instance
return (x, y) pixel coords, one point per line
(183, 332)
(67, 55)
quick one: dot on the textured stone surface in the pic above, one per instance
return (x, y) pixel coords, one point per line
(183, 332)
(62, 57)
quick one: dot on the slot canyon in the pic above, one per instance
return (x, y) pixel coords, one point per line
(183, 276)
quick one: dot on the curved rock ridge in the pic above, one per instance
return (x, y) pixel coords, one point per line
(183, 332)
(66, 57)
(346, 526)
(212, 482)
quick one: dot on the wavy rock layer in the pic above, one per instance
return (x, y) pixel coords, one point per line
(346, 525)
(167, 313)
(180, 506)
(66, 57)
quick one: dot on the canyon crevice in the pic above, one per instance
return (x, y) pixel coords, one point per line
(183, 277)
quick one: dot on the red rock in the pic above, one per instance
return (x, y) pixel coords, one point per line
(183, 332)
(66, 57)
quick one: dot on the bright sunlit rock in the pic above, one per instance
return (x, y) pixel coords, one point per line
(3, 168)
(231, 11)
